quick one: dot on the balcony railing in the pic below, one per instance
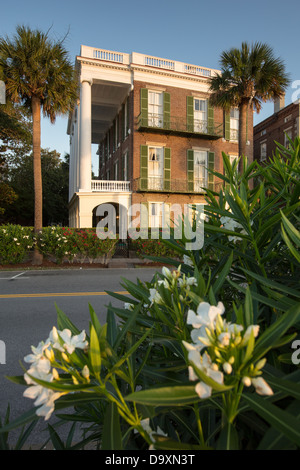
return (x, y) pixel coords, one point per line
(179, 125)
(110, 186)
(174, 186)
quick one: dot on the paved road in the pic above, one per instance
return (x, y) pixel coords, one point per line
(27, 314)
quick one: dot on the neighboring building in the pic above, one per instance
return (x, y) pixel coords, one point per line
(279, 127)
(156, 132)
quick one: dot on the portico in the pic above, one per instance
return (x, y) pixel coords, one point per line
(102, 92)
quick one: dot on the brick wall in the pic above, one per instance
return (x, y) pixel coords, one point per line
(272, 129)
(179, 144)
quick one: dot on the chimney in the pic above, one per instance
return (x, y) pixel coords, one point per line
(279, 103)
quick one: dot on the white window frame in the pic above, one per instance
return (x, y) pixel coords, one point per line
(263, 150)
(155, 108)
(161, 218)
(200, 115)
(200, 183)
(155, 178)
(234, 124)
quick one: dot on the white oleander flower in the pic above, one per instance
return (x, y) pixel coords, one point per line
(205, 364)
(128, 306)
(37, 353)
(188, 261)
(145, 423)
(206, 315)
(251, 328)
(261, 386)
(155, 296)
(63, 340)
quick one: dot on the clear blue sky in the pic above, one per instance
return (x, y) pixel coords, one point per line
(193, 31)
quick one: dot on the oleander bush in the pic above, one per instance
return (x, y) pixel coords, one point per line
(152, 248)
(56, 243)
(205, 356)
(15, 243)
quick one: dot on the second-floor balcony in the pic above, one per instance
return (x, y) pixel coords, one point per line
(110, 186)
(180, 125)
(196, 186)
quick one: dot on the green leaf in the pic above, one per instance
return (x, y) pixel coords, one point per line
(275, 440)
(95, 353)
(55, 439)
(209, 381)
(228, 439)
(111, 434)
(95, 321)
(222, 276)
(165, 396)
(279, 419)
(112, 328)
(248, 309)
(25, 418)
(293, 233)
(274, 332)
(288, 387)
(63, 322)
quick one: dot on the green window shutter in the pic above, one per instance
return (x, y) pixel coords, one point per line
(127, 164)
(190, 113)
(167, 110)
(127, 115)
(190, 170)
(211, 166)
(123, 122)
(227, 125)
(144, 167)
(210, 119)
(144, 107)
(167, 169)
(122, 167)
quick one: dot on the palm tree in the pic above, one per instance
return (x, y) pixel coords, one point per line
(38, 74)
(249, 76)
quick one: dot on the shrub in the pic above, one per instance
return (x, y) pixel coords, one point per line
(73, 244)
(200, 357)
(15, 243)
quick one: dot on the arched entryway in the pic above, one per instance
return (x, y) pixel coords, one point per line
(119, 224)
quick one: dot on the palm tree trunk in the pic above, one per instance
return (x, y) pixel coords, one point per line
(243, 110)
(37, 174)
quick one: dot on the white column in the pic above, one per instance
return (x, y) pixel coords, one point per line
(71, 166)
(85, 153)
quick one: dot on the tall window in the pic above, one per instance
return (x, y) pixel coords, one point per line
(234, 124)
(155, 168)
(155, 109)
(159, 214)
(200, 170)
(200, 115)
(263, 151)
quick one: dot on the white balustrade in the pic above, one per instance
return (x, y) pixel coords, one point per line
(143, 59)
(110, 186)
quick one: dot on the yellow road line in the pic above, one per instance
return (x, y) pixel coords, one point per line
(56, 294)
